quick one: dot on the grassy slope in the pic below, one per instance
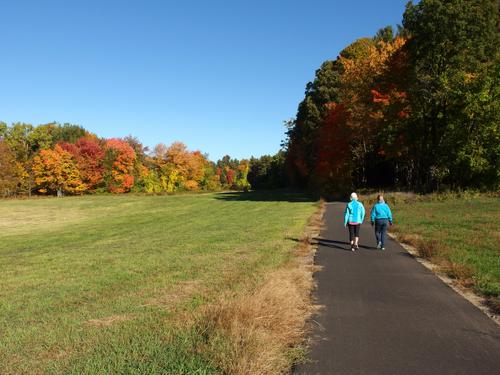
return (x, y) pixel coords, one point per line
(464, 232)
(94, 284)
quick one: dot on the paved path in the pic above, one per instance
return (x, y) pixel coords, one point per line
(387, 314)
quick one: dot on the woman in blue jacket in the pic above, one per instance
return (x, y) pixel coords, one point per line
(381, 216)
(354, 215)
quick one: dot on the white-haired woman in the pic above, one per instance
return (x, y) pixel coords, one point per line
(354, 215)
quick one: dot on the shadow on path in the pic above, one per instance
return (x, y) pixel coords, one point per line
(335, 244)
(341, 245)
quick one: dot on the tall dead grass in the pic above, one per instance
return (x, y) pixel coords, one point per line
(261, 330)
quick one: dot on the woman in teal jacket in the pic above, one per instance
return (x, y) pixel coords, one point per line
(354, 215)
(381, 216)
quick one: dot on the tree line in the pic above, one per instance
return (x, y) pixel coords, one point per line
(57, 159)
(413, 108)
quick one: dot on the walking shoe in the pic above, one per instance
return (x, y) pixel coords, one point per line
(357, 247)
(352, 248)
(379, 245)
(382, 248)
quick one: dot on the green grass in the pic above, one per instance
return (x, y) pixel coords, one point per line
(96, 284)
(466, 232)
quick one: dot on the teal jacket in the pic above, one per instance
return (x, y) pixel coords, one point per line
(381, 210)
(354, 212)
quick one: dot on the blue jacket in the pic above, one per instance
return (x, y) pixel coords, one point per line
(354, 212)
(381, 210)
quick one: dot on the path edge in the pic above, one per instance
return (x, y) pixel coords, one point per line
(475, 299)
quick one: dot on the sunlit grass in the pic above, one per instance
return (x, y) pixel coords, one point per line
(464, 232)
(93, 284)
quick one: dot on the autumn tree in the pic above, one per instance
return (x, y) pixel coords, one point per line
(302, 132)
(364, 62)
(241, 180)
(333, 170)
(56, 171)
(140, 158)
(196, 170)
(176, 167)
(89, 155)
(211, 180)
(119, 165)
(9, 173)
(229, 176)
(226, 170)
(17, 136)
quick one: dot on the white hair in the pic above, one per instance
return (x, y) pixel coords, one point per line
(354, 196)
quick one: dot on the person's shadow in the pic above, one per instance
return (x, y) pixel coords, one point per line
(337, 244)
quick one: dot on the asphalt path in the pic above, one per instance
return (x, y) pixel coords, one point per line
(384, 313)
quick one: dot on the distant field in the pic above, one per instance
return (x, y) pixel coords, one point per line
(95, 284)
(462, 234)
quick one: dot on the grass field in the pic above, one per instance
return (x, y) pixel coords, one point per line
(460, 234)
(98, 284)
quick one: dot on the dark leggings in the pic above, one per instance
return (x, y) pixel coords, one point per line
(353, 231)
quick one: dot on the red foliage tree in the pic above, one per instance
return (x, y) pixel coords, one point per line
(119, 165)
(332, 171)
(89, 155)
(229, 176)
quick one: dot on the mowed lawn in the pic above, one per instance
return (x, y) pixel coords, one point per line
(97, 284)
(465, 232)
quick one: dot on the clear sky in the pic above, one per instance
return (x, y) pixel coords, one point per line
(220, 76)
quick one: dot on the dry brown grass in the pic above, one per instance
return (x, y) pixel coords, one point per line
(251, 333)
(431, 249)
(260, 330)
(462, 274)
(428, 249)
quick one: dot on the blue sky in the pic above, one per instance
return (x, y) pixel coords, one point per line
(220, 76)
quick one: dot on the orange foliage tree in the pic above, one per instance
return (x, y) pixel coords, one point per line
(365, 63)
(57, 171)
(391, 105)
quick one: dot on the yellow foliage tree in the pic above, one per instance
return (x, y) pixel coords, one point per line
(178, 167)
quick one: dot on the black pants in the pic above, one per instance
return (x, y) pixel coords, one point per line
(353, 231)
